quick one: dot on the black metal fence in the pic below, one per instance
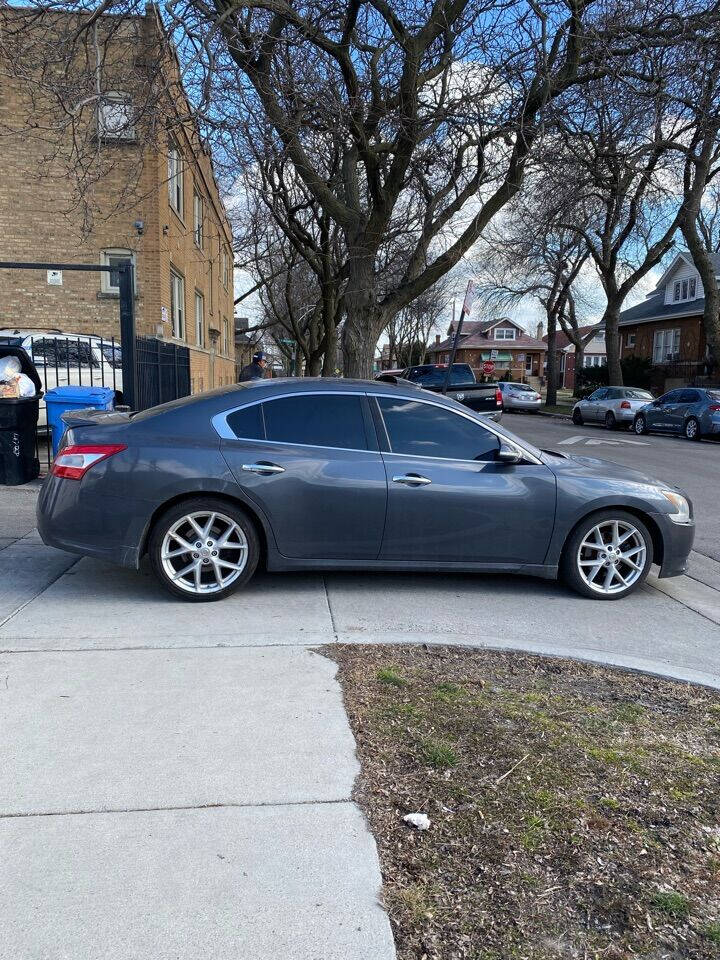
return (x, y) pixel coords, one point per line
(163, 370)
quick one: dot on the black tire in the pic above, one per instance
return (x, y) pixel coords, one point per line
(200, 504)
(610, 421)
(569, 567)
(640, 425)
(691, 430)
(577, 418)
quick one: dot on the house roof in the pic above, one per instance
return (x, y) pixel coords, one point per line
(655, 308)
(562, 340)
(478, 341)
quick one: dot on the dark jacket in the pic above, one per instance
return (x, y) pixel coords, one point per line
(253, 371)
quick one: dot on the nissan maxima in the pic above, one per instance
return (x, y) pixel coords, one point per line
(339, 474)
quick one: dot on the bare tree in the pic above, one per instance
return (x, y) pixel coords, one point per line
(409, 330)
(434, 110)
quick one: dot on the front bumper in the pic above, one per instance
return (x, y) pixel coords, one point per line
(677, 540)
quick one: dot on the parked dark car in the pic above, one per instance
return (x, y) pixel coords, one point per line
(485, 398)
(691, 411)
(342, 474)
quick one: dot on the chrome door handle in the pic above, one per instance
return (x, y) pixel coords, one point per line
(263, 468)
(412, 480)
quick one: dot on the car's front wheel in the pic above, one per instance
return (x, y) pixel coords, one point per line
(608, 555)
(577, 417)
(203, 549)
(640, 425)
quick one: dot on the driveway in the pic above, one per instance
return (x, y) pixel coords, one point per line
(176, 780)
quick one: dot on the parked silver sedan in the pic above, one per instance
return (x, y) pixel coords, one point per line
(520, 396)
(613, 406)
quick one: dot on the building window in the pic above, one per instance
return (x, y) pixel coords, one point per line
(198, 218)
(226, 337)
(177, 305)
(595, 360)
(116, 119)
(630, 341)
(666, 346)
(505, 333)
(175, 179)
(199, 319)
(225, 268)
(685, 289)
(110, 282)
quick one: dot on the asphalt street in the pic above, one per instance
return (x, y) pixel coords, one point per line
(694, 467)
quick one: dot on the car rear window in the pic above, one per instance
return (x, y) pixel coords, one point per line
(638, 395)
(522, 387)
(247, 423)
(714, 396)
(317, 420)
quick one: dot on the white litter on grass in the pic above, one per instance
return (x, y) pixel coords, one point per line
(419, 820)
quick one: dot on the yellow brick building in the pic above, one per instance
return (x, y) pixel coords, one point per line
(130, 178)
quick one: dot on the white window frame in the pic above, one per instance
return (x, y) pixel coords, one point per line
(225, 268)
(177, 304)
(692, 283)
(661, 339)
(199, 319)
(115, 116)
(630, 341)
(105, 255)
(198, 215)
(508, 333)
(676, 291)
(226, 337)
(176, 179)
(685, 289)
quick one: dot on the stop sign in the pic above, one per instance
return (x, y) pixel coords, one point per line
(488, 367)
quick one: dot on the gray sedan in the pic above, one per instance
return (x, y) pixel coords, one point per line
(341, 474)
(613, 406)
(520, 396)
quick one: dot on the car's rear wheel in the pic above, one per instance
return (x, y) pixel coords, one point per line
(608, 555)
(610, 421)
(204, 549)
(577, 418)
(640, 425)
(692, 429)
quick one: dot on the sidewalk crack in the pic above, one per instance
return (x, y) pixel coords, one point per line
(330, 610)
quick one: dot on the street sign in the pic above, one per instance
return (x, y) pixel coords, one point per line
(488, 367)
(493, 354)
(521, 358)
(469, 297)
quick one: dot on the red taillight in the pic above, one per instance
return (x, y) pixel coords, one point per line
(74, 462)
(625, 405)
(498, 397)
(714, 408)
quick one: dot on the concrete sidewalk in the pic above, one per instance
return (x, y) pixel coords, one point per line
(175, 779)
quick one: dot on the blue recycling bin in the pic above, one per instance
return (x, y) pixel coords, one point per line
(61, 399)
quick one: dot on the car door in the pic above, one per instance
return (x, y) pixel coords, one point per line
(681, 409)
(605, 402)
(659, 414)
(590, 406)
(310, 461)
(449, 499)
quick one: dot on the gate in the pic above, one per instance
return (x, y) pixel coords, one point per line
(163, 371)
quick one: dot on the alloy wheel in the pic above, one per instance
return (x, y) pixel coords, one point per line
(611, 556)
(691, 429)
(639, 425)
(204, 552)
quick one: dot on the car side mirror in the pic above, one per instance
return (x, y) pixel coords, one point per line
(508, 454)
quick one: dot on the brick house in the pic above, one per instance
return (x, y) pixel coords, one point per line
(667, 327)
(152, 191)
(517, 356)
(594, 354)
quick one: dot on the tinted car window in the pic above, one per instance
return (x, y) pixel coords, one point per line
(689, 396)
(672, 397)
(425, 430)
(247, 423)
(638, 395)
(599, 394)
(614, 394)
(435, 376)
(319, 420)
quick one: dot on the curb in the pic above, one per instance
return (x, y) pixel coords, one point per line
(556, 416)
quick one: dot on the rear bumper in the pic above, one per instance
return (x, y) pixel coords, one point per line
(71, 516)
(526, 405)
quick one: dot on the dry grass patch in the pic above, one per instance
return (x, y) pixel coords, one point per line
(575, 809)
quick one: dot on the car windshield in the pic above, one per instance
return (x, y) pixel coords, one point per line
(638, 395)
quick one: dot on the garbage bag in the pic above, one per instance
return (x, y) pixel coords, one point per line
(14, 383)
(10, 367)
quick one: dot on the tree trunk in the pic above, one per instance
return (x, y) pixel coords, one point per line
(551, 396)
(579, 363)
(364, 319)
(610, 320)
(711, 313)
(314, 365)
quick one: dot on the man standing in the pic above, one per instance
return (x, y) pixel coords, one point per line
(254, 370)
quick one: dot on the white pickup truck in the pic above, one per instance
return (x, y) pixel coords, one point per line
(63, 359)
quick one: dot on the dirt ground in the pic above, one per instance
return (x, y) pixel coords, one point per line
(575, 809)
